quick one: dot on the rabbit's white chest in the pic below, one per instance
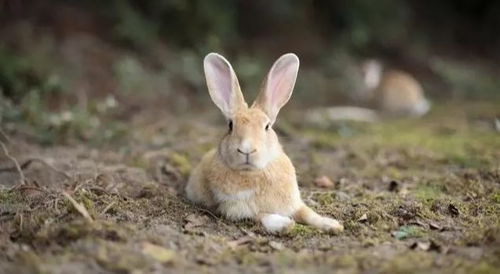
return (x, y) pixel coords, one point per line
(238, 205)
(241, 195)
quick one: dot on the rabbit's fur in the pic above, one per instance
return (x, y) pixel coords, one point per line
(249, 176)
(394, 92)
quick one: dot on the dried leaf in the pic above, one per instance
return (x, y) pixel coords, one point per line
(421, 245)
(434, 226)
(427, 246)
(363, 218)
(240, 241)
(324, 182)
(194, 220)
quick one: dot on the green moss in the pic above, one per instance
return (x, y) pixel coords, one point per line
(302, 230)
(181, 162)
(325, 198)
(496, 197)
(68, 232)
(428, 192)
(9, 197)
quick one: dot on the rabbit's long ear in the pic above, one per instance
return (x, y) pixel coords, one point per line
(278, 85)
(223, 85)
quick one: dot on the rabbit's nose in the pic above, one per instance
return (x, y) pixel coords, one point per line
(247, 152)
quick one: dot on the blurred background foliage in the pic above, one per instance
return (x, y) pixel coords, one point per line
(65, 65)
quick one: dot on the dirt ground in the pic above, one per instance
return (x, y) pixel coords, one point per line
(419, 196)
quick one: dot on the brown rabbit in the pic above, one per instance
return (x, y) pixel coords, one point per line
(394, 92)
(391, 93)
(249, 176)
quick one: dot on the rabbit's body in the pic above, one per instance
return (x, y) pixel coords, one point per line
(394, 92)
(241, 195)
(400, 94)
(249, 176)
(386, 93)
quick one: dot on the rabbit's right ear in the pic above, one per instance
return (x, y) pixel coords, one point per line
(223, 84)
(278, 85)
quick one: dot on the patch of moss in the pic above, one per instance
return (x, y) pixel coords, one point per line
(302, 230)
(65, 233)
(181, 162)
(325, 198)
(495, 197)
(428, 192)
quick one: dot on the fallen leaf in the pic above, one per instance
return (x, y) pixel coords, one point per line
(417, 222)
(434, 226)
(194, 220)
(427, 246)
(323, 181)
(158, 253)
(240, 241)
(421, 245)
(363, 218)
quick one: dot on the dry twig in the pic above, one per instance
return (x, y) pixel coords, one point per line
(16, 163)
(79, 207)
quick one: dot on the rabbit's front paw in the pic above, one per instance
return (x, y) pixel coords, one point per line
(276, 223)
(330, 224)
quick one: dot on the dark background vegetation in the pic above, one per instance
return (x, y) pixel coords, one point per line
(58, 56)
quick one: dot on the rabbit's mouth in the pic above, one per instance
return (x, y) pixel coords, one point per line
(248, 165)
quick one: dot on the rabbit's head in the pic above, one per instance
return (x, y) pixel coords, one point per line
(250, 142)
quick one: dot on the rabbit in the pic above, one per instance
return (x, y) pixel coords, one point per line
(390, 93)
(394, 92)
(249, 176)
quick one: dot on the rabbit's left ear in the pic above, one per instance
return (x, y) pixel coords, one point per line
(223, 85)
(278, 85)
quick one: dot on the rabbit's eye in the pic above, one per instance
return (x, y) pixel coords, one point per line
(230, 125)
(268, 126)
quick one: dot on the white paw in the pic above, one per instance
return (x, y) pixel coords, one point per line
(330, 224)
(276, 223)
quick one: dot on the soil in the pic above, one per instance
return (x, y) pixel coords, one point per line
(420, 196)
